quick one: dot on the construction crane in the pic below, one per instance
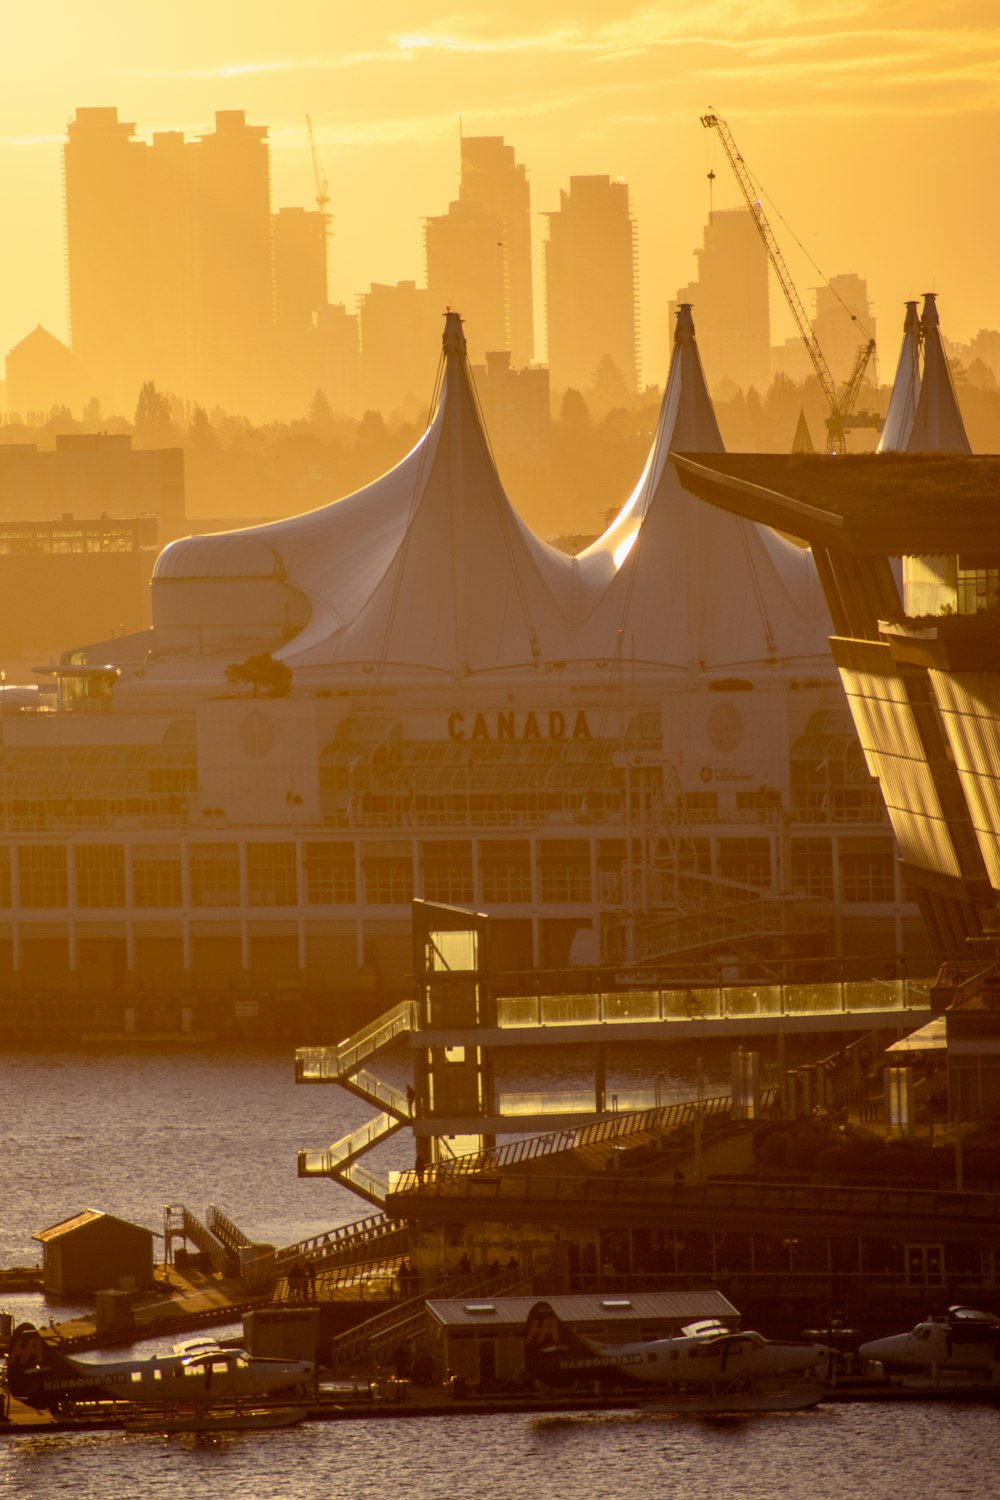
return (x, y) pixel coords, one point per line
(322, 196)
(841, 404)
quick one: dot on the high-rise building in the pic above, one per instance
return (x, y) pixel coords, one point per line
(231, 187)
(41, 373)
(299, 242)
(170, 261)
(843, 323)
(171, 342)
(842, 326)
(398, 347)
(466, 271)
(491, 177)
(339, 336)
(300, 285)
(590, 285)
(731, 302)
(107, 247)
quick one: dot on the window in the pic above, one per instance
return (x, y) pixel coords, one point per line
(977, 588)
(42, 869)
(505, 868)
(215, 875)
(745, 860)
(330, 875)
(866, 870)
(564, 870)
(698, 807)
(156, 875)
(447, 871)
(812, 867)
(100, 875)
(271, 879)
(388, 874)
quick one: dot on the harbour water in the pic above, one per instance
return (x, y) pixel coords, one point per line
(128, 1130)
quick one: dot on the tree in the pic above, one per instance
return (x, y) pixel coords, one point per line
(574, 412)
(320, 415)
(201, 434)
(154, 427)
(263, 673)
(608, 388)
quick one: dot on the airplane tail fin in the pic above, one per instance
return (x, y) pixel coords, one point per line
(551, 1350)
(34, 1364)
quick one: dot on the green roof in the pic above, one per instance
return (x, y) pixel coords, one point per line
(892, 504)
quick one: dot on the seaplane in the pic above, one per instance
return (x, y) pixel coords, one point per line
(199, 1373)
(963, 1340)
(705, 1368)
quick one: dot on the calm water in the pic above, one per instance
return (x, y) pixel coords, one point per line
(130, 1130)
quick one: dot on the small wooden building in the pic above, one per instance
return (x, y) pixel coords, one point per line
(93, 1252)
(481, 1339)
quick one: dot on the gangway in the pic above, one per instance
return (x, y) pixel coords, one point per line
(737, 1012)
(373, 1340)
(179, 1223)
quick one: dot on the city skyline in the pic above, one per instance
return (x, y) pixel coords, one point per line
(890, 111)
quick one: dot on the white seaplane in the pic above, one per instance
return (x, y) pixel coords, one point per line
(200, 1373)
(706, 1368)
(963, 1341)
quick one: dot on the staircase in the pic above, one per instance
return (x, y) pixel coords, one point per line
(344, 1064)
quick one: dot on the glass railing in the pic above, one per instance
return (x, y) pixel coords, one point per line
(746, 1000)
(733, 1003)
(548, 1102)
(813, 999)
(568, 1010)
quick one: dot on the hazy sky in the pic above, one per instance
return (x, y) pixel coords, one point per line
(872, 125)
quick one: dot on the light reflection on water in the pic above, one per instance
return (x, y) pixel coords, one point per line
(129, 1130)
(836, 1453)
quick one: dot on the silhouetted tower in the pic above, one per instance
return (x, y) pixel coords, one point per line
(400, 333)
(300, 287)
(731, 295)
(107, 248)
(465, 271)
(171, 329)
(843, 321)
(590, 285)
(231, 186)
(492, 177)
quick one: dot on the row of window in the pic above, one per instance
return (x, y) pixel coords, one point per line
(330, 874)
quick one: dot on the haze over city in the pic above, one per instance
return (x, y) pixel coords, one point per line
(871, 126)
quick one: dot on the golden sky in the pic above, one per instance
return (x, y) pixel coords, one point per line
(872, 126)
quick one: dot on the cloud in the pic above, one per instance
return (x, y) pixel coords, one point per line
(283, 65)
(33, 140)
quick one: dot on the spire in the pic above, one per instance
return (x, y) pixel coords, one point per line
(937, 422)
(694, 428)
(684, 585)
(905, 388)
(453, 338)
(802, 441)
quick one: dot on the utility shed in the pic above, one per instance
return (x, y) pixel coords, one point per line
(94, 1251)
(481, 1339)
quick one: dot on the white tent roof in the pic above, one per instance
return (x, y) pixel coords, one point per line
(905, 388)
(937, 422)
(685, 584)
(430, 571)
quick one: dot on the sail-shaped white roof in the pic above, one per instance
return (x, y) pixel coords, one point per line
(467, 588)
(684, 585)
(429, 572)
(428, 569)
(905, 388)
(937, 422)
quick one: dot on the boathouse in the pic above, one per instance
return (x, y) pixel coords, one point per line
(94, 1251)
(481, 1339)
